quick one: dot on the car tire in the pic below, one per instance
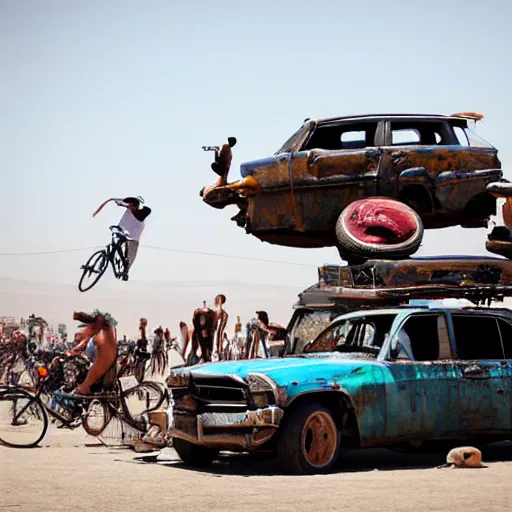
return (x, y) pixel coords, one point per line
(378, 227)
(193, 454)
(304, 427)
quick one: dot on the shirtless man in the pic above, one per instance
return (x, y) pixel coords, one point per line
(101, 327)
(221, 319)
(203, 335)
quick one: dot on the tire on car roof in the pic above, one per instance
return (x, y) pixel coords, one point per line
(378, 227)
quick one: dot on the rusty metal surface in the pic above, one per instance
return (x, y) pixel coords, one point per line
(392, 282)
(301, 193)
(443, 271)
(218, 411)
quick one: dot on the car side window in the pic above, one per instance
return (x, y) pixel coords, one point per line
(343, 136)
(413, 133)
(423, 337)
(461, 136)
(477, 337)
(405, 136)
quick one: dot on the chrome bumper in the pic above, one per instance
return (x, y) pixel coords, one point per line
(259, 426)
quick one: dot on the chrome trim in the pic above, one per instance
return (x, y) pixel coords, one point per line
(264, 423)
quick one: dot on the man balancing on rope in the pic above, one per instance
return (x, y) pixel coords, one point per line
(101, 328)
(132, 222)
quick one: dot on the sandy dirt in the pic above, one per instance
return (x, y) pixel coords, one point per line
(73, 472)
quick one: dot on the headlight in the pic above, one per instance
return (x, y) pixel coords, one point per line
(262, 390)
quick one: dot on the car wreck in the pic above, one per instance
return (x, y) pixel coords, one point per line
(388, 283)
(389, 373)
(367, 184)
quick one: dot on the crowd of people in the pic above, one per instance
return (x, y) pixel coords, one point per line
(204, 339)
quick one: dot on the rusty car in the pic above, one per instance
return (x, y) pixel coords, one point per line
(366, 184)
(383, 376)
(383, 283)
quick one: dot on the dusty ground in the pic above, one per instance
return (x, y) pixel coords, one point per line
(72, 472)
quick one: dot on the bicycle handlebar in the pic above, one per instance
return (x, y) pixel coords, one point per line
(119, 231)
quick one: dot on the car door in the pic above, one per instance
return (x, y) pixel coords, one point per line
(337, 165)
(413, 155)
(505, 325)
(422, 390)
(484, 386)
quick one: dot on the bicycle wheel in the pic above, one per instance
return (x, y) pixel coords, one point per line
(97, 417)
(93, 270)
(141, 399)
(23, 419)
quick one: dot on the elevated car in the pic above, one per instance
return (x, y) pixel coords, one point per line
(366, 184)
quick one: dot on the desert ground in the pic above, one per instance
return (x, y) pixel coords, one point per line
(71, 471)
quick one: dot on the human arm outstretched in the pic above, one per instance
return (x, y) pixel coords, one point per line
(118, 201)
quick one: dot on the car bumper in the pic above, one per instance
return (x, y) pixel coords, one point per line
(227, 430)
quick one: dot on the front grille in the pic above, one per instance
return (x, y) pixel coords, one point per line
(211, 394)
(220, 394)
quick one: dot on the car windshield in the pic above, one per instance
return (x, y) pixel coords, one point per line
(308, 326)
(295, 138)
(361, 335)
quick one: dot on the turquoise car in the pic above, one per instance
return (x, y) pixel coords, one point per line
(377, 378)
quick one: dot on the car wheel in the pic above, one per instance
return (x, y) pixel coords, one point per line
(193, 454)
(309, 441)
(378, 227)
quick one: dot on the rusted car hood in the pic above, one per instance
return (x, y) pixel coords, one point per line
(284, 370)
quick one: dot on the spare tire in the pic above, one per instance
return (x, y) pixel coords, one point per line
(378, 227)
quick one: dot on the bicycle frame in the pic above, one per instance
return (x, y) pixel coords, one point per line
(107, 399)
(115, 254)
(116, 246)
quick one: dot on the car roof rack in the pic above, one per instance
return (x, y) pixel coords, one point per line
(481, 280)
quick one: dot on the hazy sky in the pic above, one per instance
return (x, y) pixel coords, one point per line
(115, 98)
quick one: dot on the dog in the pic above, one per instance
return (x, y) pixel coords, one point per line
(463, 457)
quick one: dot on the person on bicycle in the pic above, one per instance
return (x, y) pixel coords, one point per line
(132, 222)
(103, 372)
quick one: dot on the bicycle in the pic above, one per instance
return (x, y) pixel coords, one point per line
(115, 253)
(27, 409)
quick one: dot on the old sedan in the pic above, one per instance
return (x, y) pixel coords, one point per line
(320, 188)
(377, 378)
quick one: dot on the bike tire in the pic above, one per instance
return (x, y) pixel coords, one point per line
(9, 398)
(92, 260)
(141, 388)
(90, 421)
